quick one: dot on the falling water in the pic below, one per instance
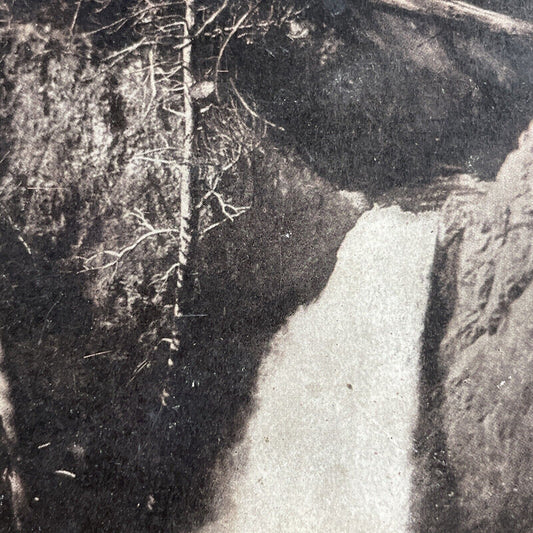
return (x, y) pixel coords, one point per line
(328, 448)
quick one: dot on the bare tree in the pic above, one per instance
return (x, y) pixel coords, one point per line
(186, 46)
(187, 231)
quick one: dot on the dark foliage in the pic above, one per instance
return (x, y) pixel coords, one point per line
(84, 350)
(374, 99)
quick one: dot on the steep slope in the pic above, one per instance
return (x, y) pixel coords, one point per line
(80, 346)
(485, 360)
(376, 96)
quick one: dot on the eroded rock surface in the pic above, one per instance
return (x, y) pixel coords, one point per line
(485, 359)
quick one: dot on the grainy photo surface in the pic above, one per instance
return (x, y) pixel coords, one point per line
(266, 266)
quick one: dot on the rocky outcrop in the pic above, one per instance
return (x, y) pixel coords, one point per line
(483, 366)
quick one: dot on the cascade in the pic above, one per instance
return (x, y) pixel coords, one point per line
(328, 447)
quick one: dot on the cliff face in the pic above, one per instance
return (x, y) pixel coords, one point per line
(379, 97)
(482, 405)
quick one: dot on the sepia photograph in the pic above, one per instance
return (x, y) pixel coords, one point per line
(266, 266)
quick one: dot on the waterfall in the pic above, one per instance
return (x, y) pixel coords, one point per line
(328, 448)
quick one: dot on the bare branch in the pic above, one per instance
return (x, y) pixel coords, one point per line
(250, 110)
(18, 235)
(66, 473)
(211, 19)
(220, 222)
(164, 278)
(127, 50)
(179, 114)
(104, 3)
(233, 161)
(120, 255)
(228, 210)
(233, 31)
(155, 160)
(139, 216)
(75, 18)
(152, 73)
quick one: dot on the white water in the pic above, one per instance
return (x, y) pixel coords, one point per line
(328, 449)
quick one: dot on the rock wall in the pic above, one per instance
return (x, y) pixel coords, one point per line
(75, 134)
(475, 437)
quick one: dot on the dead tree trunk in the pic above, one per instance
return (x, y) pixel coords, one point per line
(462, 11)
(11, 475)
(187, 170)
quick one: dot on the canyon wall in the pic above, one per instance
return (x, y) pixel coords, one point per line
(475, 440)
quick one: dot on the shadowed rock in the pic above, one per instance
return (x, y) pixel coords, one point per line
(486, 353)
